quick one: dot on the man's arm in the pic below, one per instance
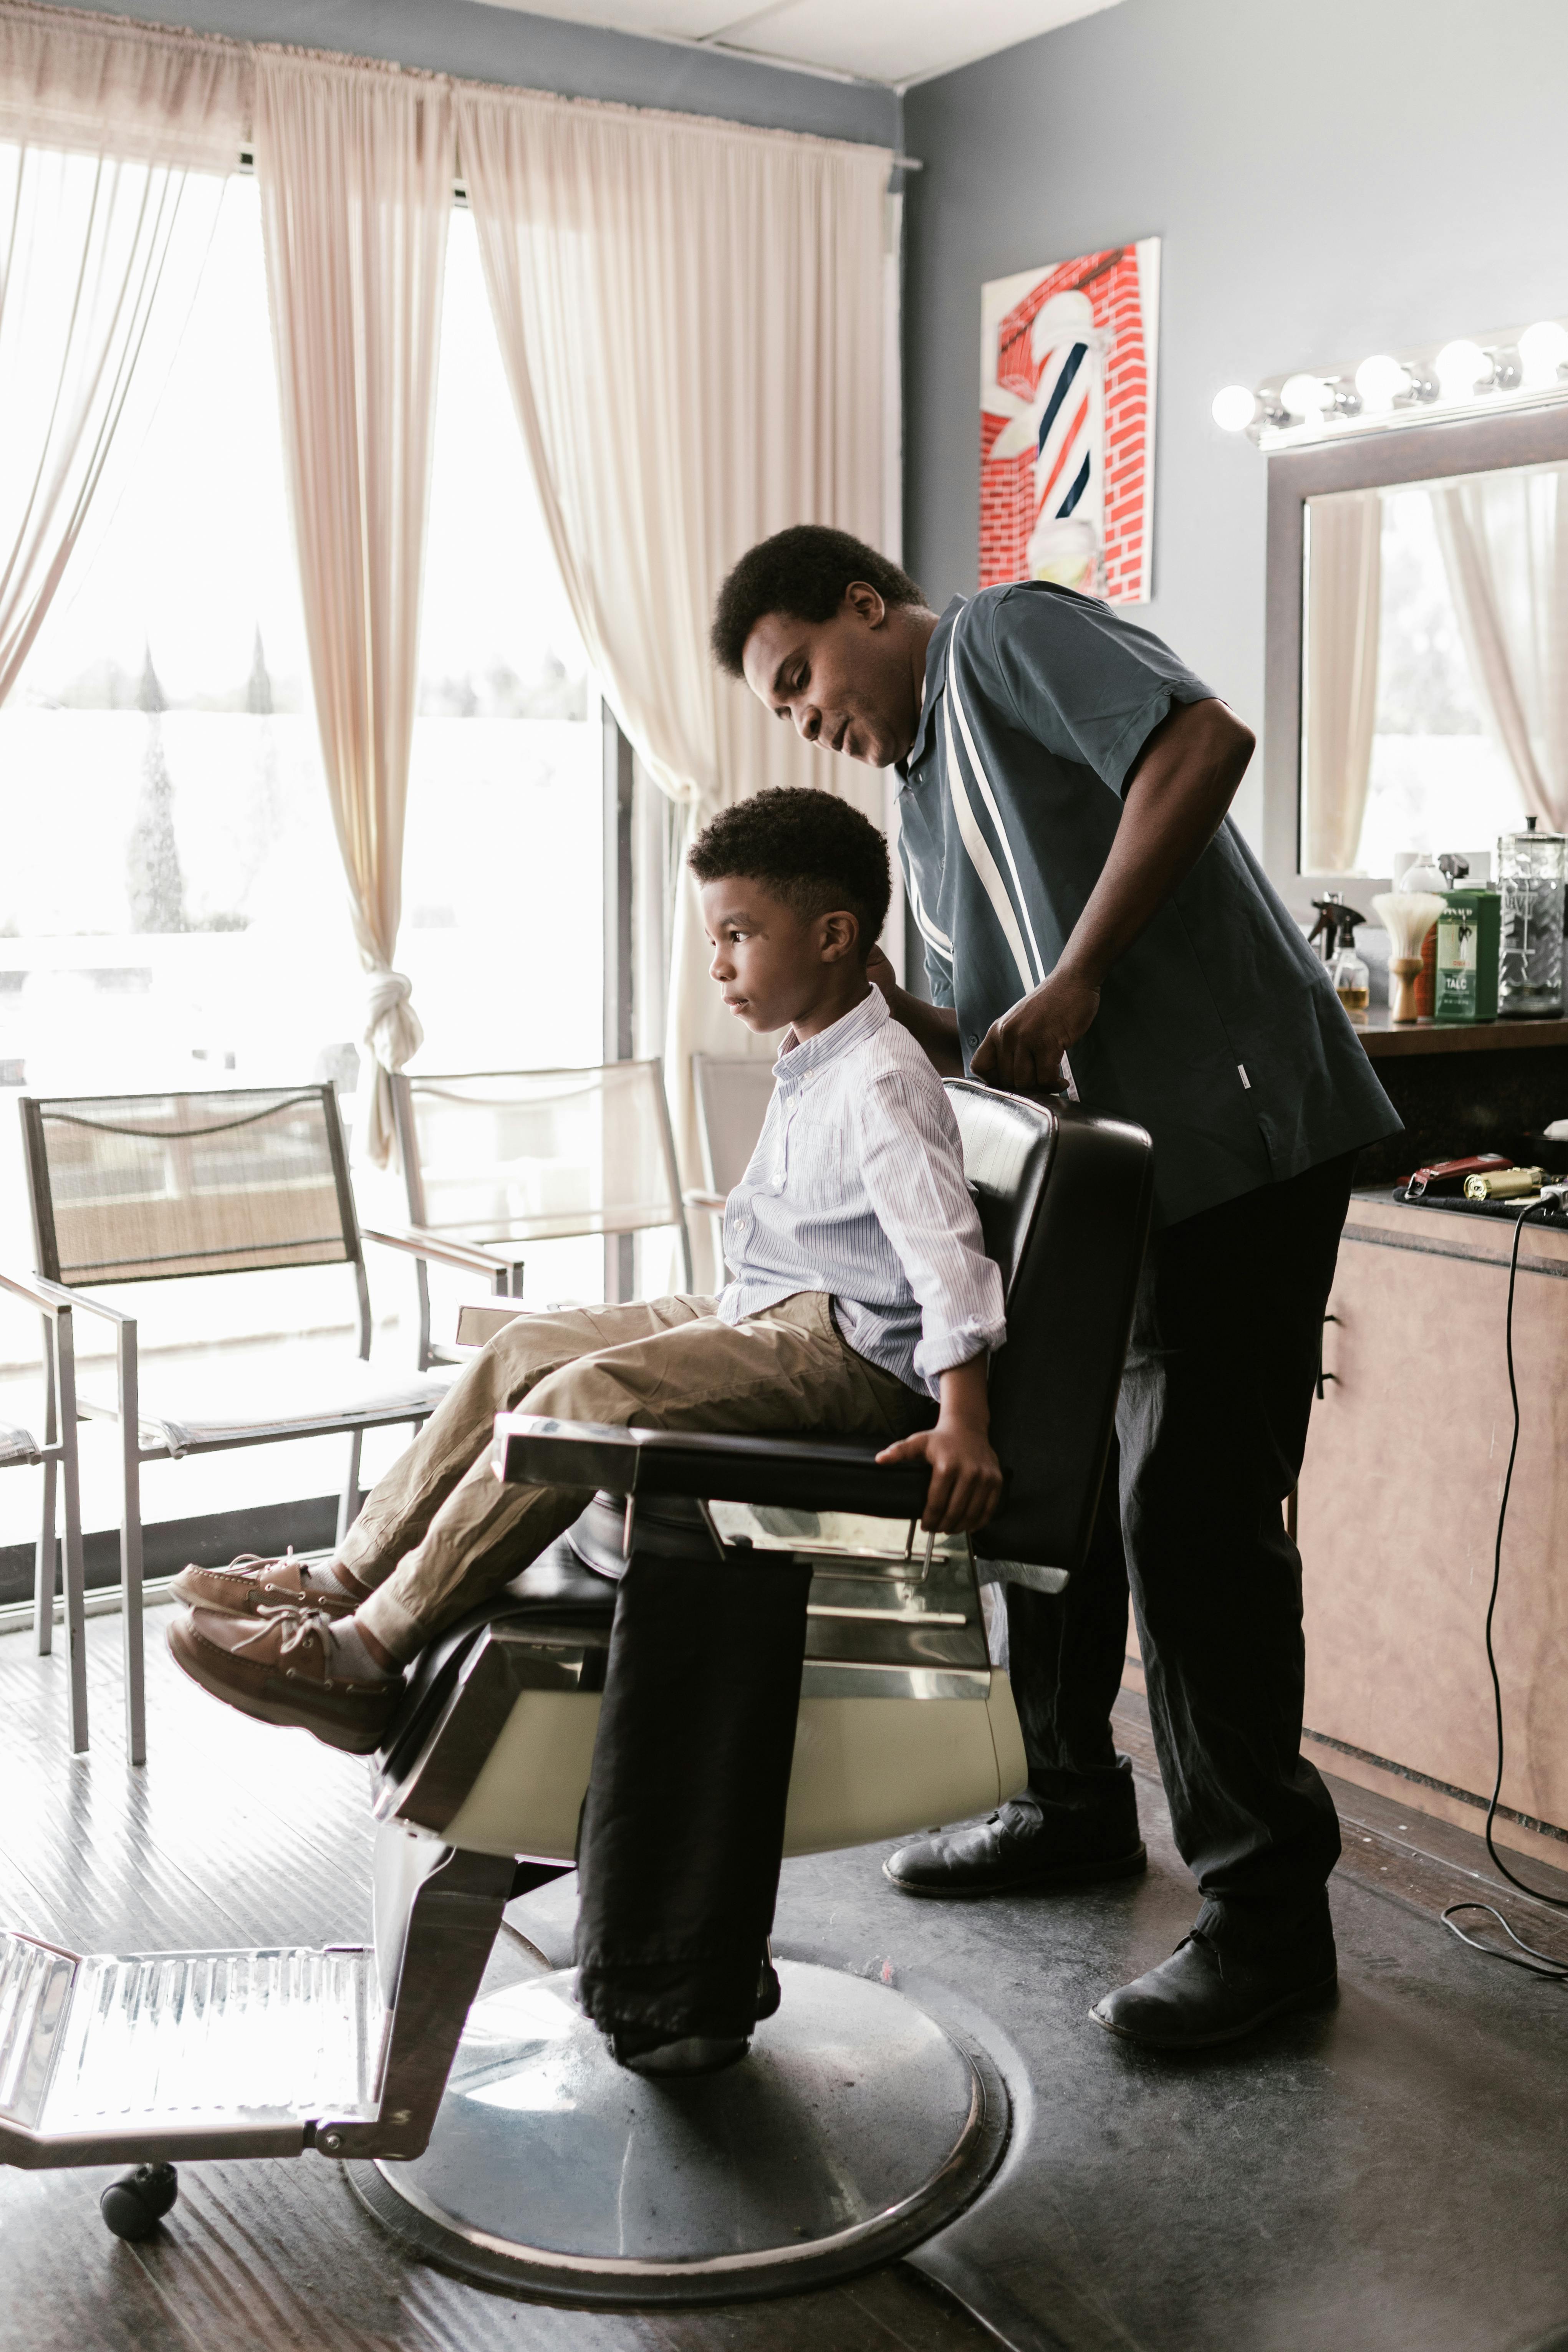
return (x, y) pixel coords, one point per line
(1172, 805)
(933, 1027)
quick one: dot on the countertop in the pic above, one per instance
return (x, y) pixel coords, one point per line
(1383, 1040)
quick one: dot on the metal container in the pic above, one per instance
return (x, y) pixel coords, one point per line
(1531, 869)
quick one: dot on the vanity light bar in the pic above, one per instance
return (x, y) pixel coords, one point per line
(1517, 367)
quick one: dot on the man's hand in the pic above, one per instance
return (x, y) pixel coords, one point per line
(965, 1475)
(1023, 1051)
(880, 975)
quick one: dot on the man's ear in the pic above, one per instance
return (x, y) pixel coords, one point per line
(861, 599)
(840, 935)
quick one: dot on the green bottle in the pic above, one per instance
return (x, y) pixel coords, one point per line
(1469, 934)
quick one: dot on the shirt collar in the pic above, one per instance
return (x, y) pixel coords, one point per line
(936, 664)
(799, 1056)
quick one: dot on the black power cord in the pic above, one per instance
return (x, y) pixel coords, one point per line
(1540, 1964)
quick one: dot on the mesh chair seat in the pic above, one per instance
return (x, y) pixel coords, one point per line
(323, 1405)
(16, 1446)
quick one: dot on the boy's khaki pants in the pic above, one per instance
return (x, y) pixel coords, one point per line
(440, 1531)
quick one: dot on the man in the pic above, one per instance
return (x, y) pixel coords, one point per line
(1081, 892)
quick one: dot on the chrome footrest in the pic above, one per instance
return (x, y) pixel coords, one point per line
(181, 2053)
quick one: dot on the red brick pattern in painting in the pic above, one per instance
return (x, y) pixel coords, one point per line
(1006, 487)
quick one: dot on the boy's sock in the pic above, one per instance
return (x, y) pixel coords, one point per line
(353, 1657)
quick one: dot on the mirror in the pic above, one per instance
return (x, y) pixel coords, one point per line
(1417, 647)
(1434, 692)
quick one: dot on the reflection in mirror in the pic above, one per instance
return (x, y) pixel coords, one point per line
(1434, 691)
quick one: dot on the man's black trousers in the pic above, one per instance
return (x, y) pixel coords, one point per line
(1211, 1428)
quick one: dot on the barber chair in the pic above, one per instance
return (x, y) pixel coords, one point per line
(497, 2136)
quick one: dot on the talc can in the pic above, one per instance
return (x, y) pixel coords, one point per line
(1468, 932)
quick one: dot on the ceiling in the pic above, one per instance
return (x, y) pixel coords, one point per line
(892, 41)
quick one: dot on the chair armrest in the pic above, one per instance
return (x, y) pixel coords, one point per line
(84, 1299)
(697, 1200)
(811, 1473)
(469, 1258)
(48, 1297)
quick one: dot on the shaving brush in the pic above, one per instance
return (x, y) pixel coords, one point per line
(1407, 916)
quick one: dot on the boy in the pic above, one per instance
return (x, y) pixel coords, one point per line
(861, 1291)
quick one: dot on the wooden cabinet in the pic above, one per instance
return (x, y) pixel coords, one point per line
(1397, 1516)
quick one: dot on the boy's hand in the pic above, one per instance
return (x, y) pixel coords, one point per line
(965, 1475)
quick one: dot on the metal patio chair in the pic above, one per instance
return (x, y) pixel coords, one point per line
(142, 1188)
(732, 1093)
(56, 1452)
(494, 1160)
(866, 2115)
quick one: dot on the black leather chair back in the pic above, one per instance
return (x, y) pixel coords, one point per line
(1065, 1198)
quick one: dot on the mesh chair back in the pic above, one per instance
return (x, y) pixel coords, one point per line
(733, 1097)
(136, 1188)
(539, 1155)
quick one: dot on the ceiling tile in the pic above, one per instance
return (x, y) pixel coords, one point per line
(883, 40)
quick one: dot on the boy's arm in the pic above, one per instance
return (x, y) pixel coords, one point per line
(965, 1475)
(912, 1165)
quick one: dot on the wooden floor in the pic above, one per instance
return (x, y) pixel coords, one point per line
(234, 1834)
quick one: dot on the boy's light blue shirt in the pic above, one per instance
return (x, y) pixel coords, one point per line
(856, 1188)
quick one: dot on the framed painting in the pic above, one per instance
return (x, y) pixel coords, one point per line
(1067, 358)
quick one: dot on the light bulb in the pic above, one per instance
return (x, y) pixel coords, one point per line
(1306, 395)
(1460, 367)
(1544, 352)
(1381, 380)
(1235, 408)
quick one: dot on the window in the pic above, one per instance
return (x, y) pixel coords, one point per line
(173, 911)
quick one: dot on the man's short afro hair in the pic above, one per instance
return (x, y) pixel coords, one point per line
(809, 848)
(802, 571)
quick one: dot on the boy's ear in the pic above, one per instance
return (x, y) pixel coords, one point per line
(840, 935)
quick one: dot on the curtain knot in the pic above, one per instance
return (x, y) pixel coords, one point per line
(393, 1029)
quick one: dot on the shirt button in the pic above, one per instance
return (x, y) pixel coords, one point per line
(971, 1043)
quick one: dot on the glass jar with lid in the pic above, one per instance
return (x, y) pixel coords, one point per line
(1531, 871)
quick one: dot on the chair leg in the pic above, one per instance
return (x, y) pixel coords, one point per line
(43, 1568)
(131, 1548)
(74, 1578)
(44, 1560)
(349, 1502)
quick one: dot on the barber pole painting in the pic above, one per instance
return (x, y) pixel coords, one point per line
(1067, 422)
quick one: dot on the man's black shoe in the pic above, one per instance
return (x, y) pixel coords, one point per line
(1202, 1995)
(1018, 1847)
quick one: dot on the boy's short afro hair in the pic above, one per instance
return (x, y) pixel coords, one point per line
(802, 571)
(809, 848)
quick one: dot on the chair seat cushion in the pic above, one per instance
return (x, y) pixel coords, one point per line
(16, 1445)
(350, 1396)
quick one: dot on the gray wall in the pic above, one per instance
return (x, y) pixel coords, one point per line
(1329, 181)
(491, 44)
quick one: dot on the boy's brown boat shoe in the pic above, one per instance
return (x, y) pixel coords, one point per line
(250, 1584)
(279, 1668)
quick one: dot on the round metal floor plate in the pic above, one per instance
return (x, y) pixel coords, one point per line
(856, 2127)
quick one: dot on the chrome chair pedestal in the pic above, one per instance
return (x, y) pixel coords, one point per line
(856, 2127)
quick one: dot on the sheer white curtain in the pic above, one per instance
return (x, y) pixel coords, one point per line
(1344, 585)
(1504, 537)
(111, 140)
(692, 319)
(355, 167)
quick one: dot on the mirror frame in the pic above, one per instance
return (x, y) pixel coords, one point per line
(1364, 461)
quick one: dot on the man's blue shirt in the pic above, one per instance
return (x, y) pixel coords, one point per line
(1218, 1030)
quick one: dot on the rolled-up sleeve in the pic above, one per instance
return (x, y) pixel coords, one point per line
(912, 1163)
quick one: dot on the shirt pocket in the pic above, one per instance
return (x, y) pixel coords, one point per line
(814, 1162)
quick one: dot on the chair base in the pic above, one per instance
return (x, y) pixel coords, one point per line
(854, 2128)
